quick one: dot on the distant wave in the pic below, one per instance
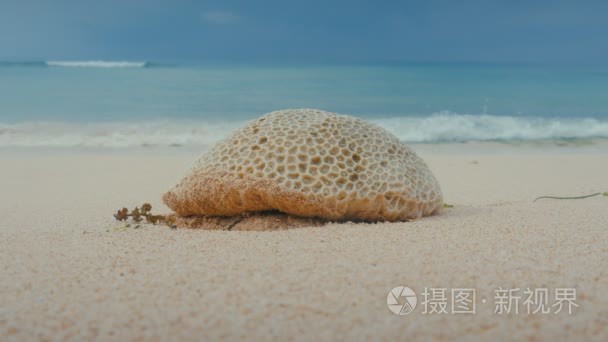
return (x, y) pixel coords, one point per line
(97, 64)
(85, 64)
(440, 127)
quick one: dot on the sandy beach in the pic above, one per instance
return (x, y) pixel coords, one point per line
(71, 272)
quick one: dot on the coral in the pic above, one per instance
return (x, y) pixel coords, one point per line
(309, 163)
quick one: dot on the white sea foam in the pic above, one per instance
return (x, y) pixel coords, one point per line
(96, 64)
(440, 127)
(117, 134)
(448, 127)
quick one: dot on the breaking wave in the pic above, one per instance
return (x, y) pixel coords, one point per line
(97, 64)
(440, 127)
(450, 127)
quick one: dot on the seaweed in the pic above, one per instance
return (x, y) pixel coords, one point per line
(571, 197)
(138, 214)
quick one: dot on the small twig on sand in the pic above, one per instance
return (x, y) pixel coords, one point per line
(576, 197)
(235, 222)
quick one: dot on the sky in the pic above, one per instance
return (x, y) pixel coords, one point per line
(352, 31)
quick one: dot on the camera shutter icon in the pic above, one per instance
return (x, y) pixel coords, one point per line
(401, 300)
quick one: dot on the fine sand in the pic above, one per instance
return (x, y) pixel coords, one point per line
(69, 271)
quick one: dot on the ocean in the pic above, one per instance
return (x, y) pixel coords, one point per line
(139, 103)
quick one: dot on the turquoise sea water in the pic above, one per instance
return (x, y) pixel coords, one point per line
(141, 103)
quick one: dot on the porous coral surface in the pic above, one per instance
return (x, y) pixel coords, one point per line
(310, 163)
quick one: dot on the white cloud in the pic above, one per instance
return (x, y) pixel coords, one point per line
(220, 17)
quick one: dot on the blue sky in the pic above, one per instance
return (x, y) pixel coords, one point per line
(314, 31)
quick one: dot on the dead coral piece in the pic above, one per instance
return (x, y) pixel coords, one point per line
(309, 163)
